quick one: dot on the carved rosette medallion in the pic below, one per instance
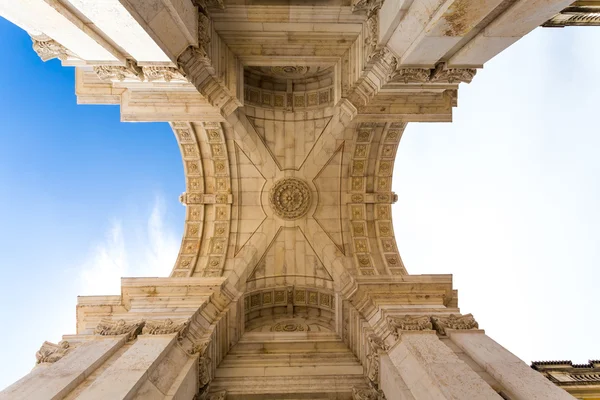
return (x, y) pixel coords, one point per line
(290, 198)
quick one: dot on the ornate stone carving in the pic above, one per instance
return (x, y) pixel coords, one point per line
(167, 74)
(408, 323)
(452, 75)
(440, 74)
(109, 327)
(376, 344)
(165, 327)
(289, 71)
(367, 394)
(50, 352)
(290, 198)
(48, 48)
(204, 4)
(119, 72)
(289, 326)
(410, 75)
(365, 5)
(586, 14)
(454, 322)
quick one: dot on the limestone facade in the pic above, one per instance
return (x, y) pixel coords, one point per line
(288, 115)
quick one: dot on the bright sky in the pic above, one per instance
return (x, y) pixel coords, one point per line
(505, 198)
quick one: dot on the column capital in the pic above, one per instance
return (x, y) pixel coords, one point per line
(397, 324)
(454, 321)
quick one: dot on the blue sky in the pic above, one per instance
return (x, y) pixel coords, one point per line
(505, 198)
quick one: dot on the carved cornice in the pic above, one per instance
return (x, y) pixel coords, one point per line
(165, 327)
(408, 323)
(440, 74)
(110, 327)
(367, 394)
(454, 322)
(51, 353)
(205, 4)
(167, 74)
(119, 72)
(48, 48)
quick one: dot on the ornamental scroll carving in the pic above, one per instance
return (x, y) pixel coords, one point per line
(440, 74)
(408, 323)
(109, 327)
(51, 353)
(167, 74)
(47, 48)
(165, 327)
(367, 394)
(290, 198)
(454, 321)
(119, 72)
(376, 344)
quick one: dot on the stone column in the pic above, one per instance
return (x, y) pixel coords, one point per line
(518, 380)
(429, 368)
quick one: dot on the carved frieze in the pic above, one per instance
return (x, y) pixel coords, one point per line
(167, 74)
(47, 48)
(165, 327)
(454, 322)
(452, 75)
(50, 352)
(119, 72)
(367, 394)
(440, 74)
(110, 327)
(376, 344)
(397, 324)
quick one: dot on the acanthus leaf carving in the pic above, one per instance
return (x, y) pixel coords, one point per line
(376, 344)
(452, 75)
(165, 327)
(48, 48)
(410, 75)
(51, 353)
(367, 394)
(454, 321)
(110, 327)
(167, 74)
(408, 323)
(119, 72)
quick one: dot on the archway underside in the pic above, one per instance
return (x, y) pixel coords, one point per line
(289, 196)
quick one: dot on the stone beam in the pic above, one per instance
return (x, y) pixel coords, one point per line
(517, 21)
(520, 382)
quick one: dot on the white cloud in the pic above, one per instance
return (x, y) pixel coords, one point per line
(121, 255)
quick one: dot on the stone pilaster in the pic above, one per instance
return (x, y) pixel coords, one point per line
(519, 381)
(429, 368)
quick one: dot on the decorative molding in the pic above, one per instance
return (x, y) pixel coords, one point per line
(408, 323)
(119, 73)
(48, 49)
(205, 198)
(204, 4)
(167, 74)
(290, 198)
(454, 321)
(376, 345)
(367, 394)
(452, 75)
(165, 327)
(51, 353)
(110, 327)
(290, 326)
(439, 74)
(575, 15)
